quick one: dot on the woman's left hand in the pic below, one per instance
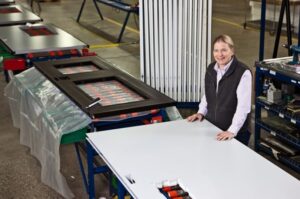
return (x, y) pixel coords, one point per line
(225, 135)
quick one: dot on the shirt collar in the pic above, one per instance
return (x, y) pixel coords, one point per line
(216, 67)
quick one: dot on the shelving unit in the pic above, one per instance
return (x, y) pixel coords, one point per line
(278, 123)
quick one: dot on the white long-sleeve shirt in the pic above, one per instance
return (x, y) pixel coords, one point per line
(243, 97)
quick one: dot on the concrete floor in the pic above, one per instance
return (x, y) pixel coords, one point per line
(19, 171)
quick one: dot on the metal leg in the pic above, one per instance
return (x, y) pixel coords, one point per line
(98, 9)
(123, 27)
(258, 89)
(80, 11)
(39, 8)
(110, 183)
(288, 26)
(90, 157)
(283, 4)
(81, 167)
(245, 16)
(121, 190)
(6, 75)
(262, 30)
(274, 18)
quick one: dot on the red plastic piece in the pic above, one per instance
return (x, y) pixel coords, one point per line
(157, 119)
(85, 52)
(14, 64)
(60, 53)
(74, 51)
(52, 53)
(30, 56)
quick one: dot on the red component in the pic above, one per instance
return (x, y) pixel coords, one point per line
(74, 52)
(60, 53)
(30, 55)
(135, 114)
(170, 188)
(157, 119)
(173, 194)
(177, 193)
(153, 111)
(85, 52)
(123, 116)
(14, 64)
(52, 53)
(146, 122)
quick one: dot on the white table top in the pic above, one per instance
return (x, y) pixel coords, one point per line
(19, 42)
(18, 18)
(189, 152)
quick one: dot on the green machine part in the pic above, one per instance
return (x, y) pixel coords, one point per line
(75, 136)
(4, 54)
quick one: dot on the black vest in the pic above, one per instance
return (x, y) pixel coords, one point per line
(221, 105)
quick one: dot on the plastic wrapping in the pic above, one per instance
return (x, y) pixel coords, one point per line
(44, 115)
(173, 113)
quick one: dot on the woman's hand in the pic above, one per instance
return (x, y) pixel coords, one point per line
(225, 135)
(194, 117)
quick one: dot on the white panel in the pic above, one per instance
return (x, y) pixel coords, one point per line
(156, 45)
(199, 43)
(146, 41)
(142, 41)
(175, 46)
(166, 47)
(179, 60)
(194, 53)
(152, 54)
(161, 47)
(189, 49)
(204, 40)
(170, 66)
(209, 22)
(184, 39)
(174, 50)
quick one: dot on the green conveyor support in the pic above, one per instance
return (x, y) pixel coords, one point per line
(74, 136)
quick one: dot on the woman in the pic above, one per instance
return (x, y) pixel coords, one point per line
(227, 99)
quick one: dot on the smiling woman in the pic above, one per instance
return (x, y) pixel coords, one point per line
(223, 50)
(227, 99)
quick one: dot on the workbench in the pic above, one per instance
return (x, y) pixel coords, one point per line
(52, 109)
(36, 42)
(35, 38)
(149, 156)
(16, 15)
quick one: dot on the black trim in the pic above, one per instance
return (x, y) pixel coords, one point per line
(68, 85)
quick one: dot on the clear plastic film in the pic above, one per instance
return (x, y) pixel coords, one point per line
(173, 113)
(44, 114)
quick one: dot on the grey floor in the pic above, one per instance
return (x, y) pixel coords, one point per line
(19, 171)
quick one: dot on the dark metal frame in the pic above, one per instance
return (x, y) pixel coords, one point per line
(116, 4)
(285, 6)
(68, 85)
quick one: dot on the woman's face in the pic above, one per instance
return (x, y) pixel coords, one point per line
(222, 53)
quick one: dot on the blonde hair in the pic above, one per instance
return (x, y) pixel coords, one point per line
(226, 39)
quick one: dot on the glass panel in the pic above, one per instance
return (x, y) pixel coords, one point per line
(77, 69)
(110, 92)
(37, 31)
